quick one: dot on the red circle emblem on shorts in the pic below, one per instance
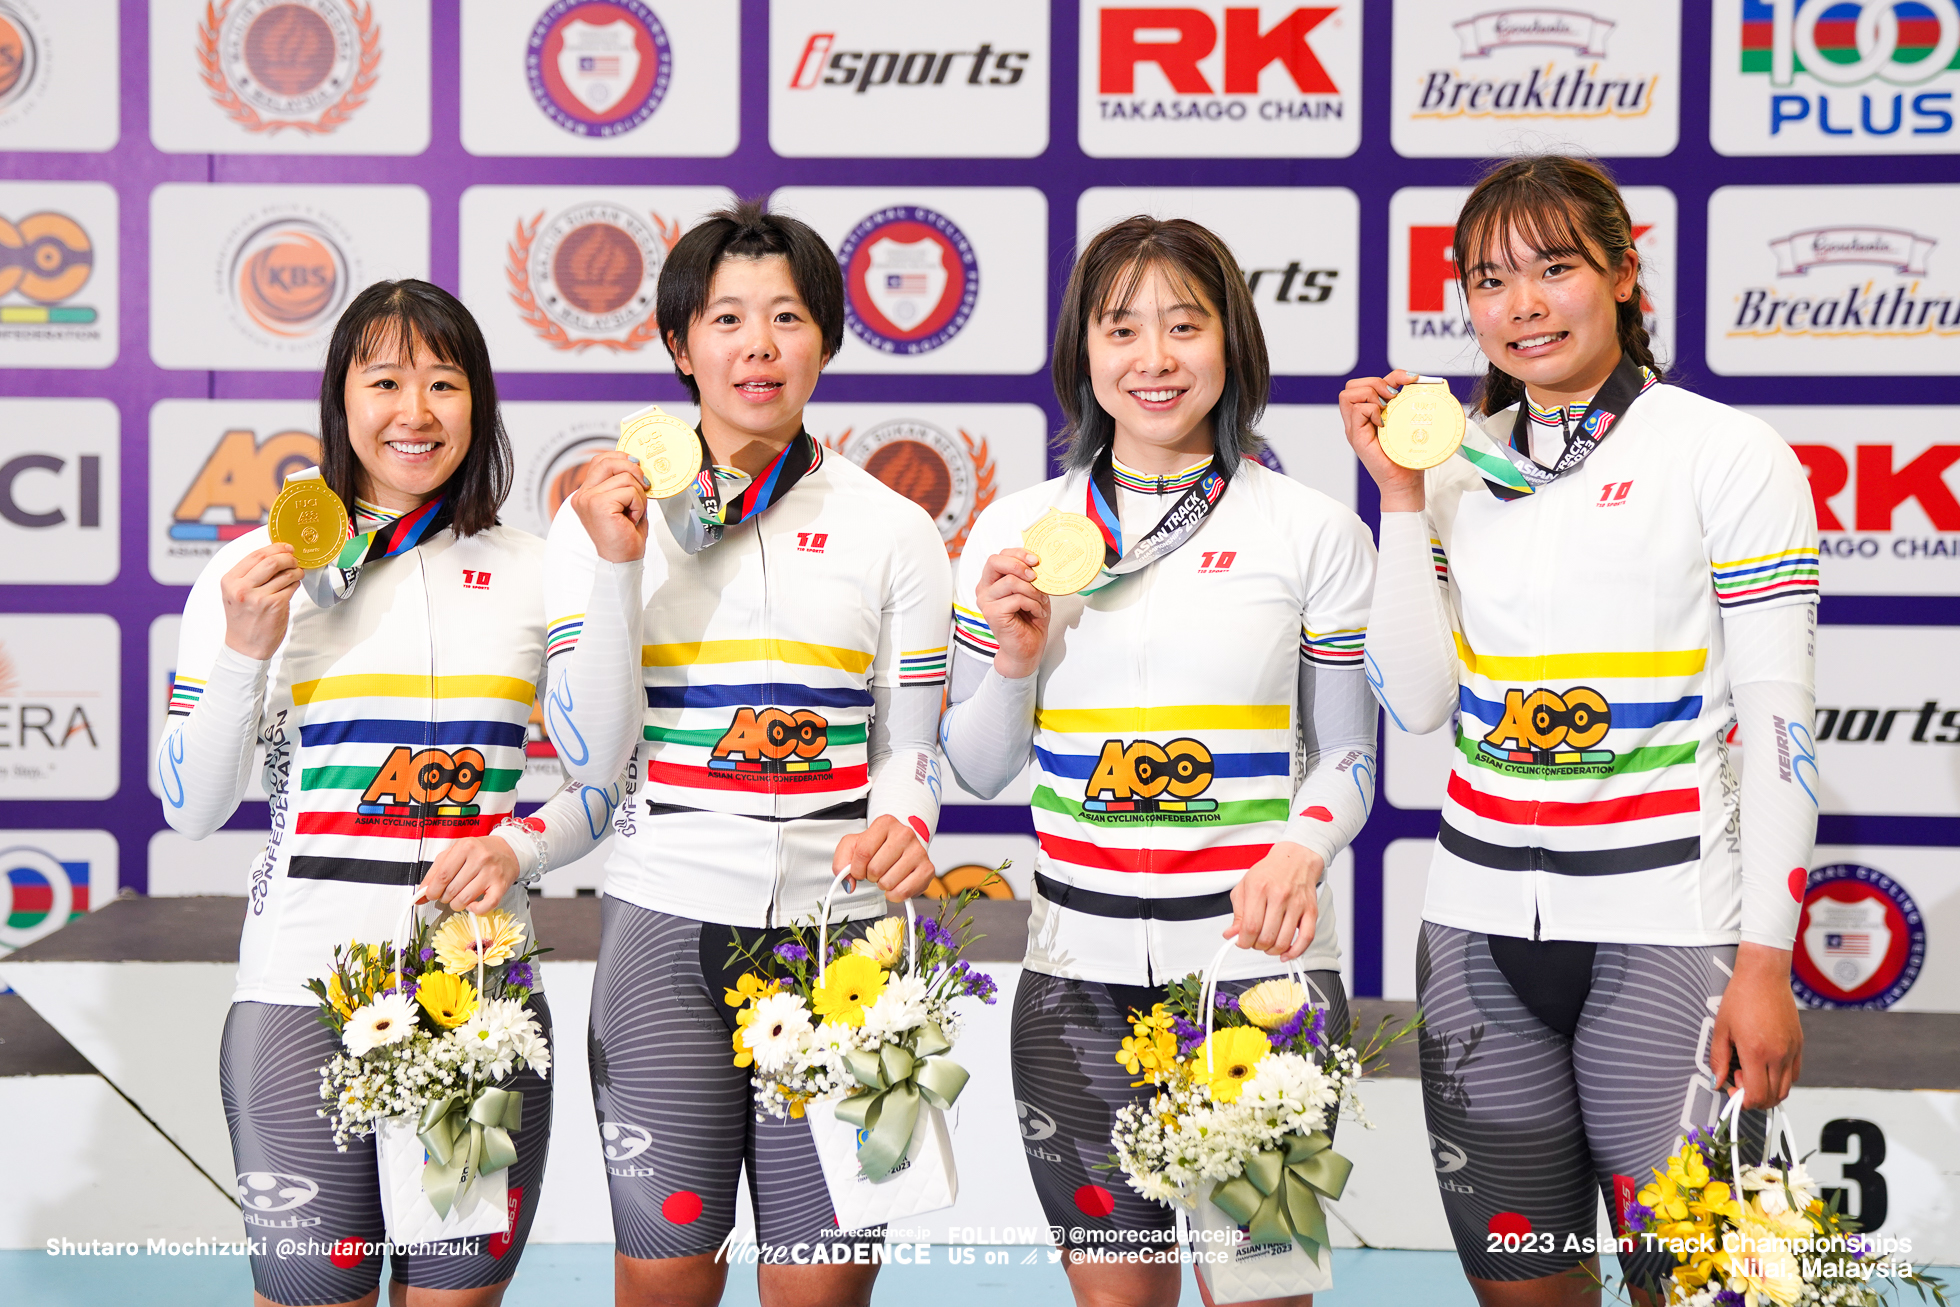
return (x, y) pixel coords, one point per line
(346, 1254)
(1094, 1200)
(1510, 1223)
(683, 1207)
(1798, 880)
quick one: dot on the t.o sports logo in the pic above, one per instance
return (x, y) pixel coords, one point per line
(910, 279)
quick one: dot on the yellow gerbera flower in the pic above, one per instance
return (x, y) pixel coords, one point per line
(882, 942)
(1763, 1265)
(1234, 1054)
(456, 946)
(1270, 1004)
(850, 985)
(449, 1000)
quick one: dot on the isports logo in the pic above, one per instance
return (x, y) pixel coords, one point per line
(951, 478)
(1853, 68)
(271, 65)
(773, 742)
(1544, 89)
(44, 893)
(824, 65)
(598, 67)
(46, 259)
(288, 279)
(1861, 939)
(1546, 728)
(1145, 777)
(235, 487)
(426, 783)
(1905, 307)
(910, 279)
(587, 278)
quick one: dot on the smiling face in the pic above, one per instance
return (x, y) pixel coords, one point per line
(756, 352)
(1549, 317)
(1157, 366)
(409, 423)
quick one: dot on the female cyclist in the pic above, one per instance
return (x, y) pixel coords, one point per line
(1220, 647)
(787, 598)
(1612, 568)
(349, 678)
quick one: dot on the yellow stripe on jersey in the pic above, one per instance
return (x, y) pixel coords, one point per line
(755, 651)
(1580, 666)
(381, 685)
(1170, 717)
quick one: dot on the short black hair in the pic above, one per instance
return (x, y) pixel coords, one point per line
(1105, 279)
(397, 317)
(746, 230)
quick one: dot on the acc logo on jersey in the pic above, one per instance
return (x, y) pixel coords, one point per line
(428, 783)
(20, 57)
(1130, 778)
(598, 67)
(289, 278)
(45, 258)
(303, 64)
(773, 741)
(588, 276)
(233, 491)
(1861, 941)
(910, 280)
(953, 480)
(1548, 728)
(43, 894)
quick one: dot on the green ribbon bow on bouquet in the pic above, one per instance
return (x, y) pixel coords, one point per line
(467, 1138)
(1277, 1199)
(898, 1079)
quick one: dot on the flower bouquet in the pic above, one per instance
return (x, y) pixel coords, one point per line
(853, 1037)
(1247, 1091)
(432, 1026)
(1763, 1235)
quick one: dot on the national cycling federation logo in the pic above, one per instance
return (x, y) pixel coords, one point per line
(20, 56)
(587, 277)
(46, 259)
(910, 279)
(1148, 781)
(598, 67)
(951, 478)
(287, 279)
(1861, 941)
(235, 486)
(1548, 728)
(43, 893)
(271, 65)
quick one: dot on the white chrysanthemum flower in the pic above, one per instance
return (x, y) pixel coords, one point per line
(776, 1031)
(901, 1007)
(490, 1034)
(387, 1020)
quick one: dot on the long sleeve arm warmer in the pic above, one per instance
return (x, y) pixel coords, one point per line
(595, 703)
(988, 729)
(1411, 647)
(903, 757)
(217, 700)
(1772, 671)
(1337, 789)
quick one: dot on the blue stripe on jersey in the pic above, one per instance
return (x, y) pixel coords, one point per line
(754, 696)
(382, 730)
(1225, 766)
(1626, 716)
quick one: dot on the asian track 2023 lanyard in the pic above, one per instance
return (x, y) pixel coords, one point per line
(1178, 525)
(1509, 470)
(698, 515)
(329, 585)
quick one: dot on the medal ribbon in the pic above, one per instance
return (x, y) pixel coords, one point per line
(330, 584)
(1186, 515)
(1509, 470)
(704, 516)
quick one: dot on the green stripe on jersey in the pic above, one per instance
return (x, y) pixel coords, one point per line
(1648, 759)
(1235, 812)
(708, 739)
(496, 780)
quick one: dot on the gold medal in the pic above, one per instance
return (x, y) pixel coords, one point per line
(1422, 425)
(1070, 549)
(668, 450)
(311, 519)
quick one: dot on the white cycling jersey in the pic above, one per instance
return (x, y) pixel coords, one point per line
(393, 724)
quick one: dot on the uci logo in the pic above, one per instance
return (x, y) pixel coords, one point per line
(622, 1142)
(1545, 720)
(431, 776)
(1136, 777)
(774, 740)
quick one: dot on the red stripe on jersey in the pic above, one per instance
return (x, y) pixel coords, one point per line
(396, 828)
(1601, 812)
(1223, 857)
(804, 782)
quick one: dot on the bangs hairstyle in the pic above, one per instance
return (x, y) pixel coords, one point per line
(393, 320)
(1199, 268)
(746, 230)
(1557, 207)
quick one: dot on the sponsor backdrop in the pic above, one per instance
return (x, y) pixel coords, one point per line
(194, 188)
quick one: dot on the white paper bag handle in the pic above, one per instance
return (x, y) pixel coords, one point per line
(1771, 1132)
(823, 928)
(405, 931)
(1208, 991)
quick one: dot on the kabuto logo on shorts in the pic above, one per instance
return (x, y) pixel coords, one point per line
(1547, 728)
(1145, 777)
(773, 741)
(265, 1194)
(433, 782)
(621, 1143)
(1446, 1155)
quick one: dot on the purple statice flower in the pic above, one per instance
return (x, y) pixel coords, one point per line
(1729, 1298)
(1638, 1217)
(1289, 1029)
(1229, 1002)
(978, 984)
(1189, 1035)
(520, 974)
(934, 931)
(792, 952)
(428, 955)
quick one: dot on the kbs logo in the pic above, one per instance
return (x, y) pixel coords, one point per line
(289, 279)
(45, 259)
(20, 58)
(910, 279)
(1872, 73)
(1149, 778)
(1547, 729)
(234, 489)
(859, 70)
(307, 65)
(428, 783)
(952, 479)
(773, 742)
(1861, 940)
(598, 67)
(587, 278)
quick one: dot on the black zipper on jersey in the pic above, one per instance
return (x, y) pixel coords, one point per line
(1147, 578)
(429, 718)
(769, 670)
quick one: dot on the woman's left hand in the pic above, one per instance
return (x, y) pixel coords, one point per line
(1275, 905)
(471, 875)
(888, 851)
(1757, 1046)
